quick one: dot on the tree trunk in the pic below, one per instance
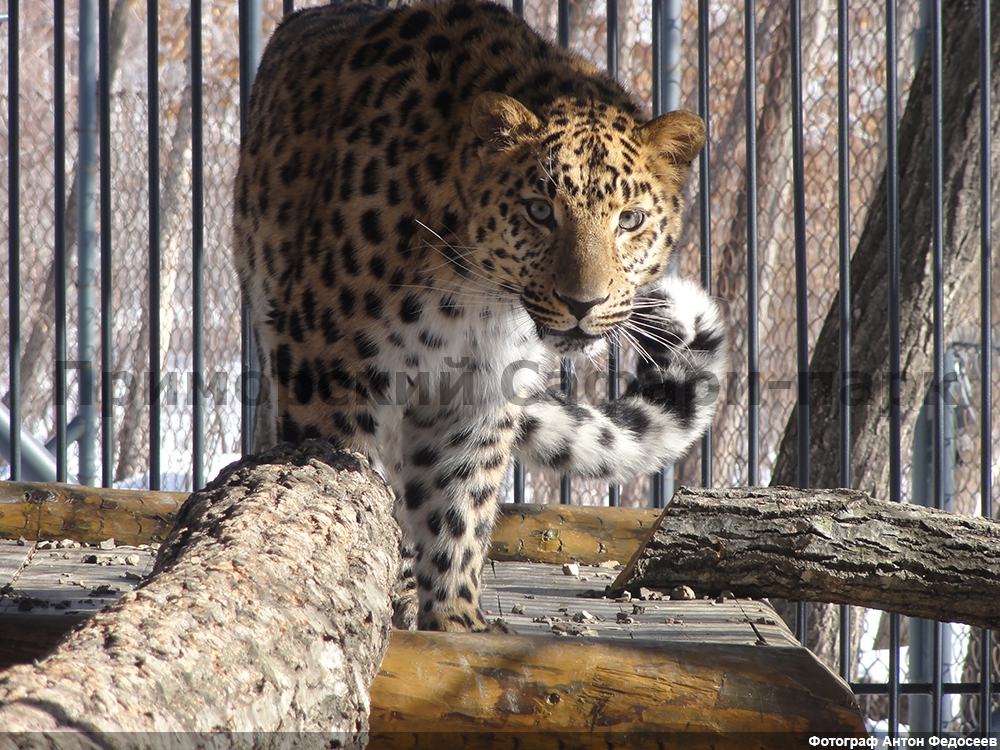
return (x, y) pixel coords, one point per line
(267, 612)
(869, 270)
(869, 283)
(837, 546)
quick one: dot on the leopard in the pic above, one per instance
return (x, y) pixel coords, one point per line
(434, 206)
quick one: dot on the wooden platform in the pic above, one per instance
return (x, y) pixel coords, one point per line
(582, 671)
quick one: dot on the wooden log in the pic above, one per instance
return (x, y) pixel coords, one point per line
(40, 511)
(268, 611)
(837, 546)
(486, 691)
(562, 533)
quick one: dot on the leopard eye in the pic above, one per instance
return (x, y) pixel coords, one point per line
(540, 211)
(630, 220)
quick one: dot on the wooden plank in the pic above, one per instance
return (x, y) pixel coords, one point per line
(80, 580)
(549, 602)
(55, 590)
(53, 511)
(537, 533)
(524, 692)
(563, 533)
(693, 665)
(13, 557)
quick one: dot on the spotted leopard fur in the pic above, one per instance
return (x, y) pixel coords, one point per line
(432, 205)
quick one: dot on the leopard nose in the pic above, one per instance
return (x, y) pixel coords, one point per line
(580, 308)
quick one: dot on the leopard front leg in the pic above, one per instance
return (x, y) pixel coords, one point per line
(453, 465)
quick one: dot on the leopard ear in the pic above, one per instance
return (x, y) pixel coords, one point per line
(676, 136)
(499, 119)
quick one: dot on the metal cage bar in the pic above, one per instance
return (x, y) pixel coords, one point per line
(844, 266)
(985, 338)
(14, 233)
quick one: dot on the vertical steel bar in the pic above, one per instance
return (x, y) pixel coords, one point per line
(753, 282)
(14, 233)
(104, 139)
(937, 263)
(657, 480)
(801, 276)
(59, 186)
(612, 37)
(666, 56)
(287, 7)
(153, 145)
(250, 31)
(517, 8)
(705, 193)
(197, 251)
(844, 216)
(658, 102)
(565, 366)
(87, 314)
(892, 241)
(563, 27)
(985, 333)
(614, 363)
(566, 378)
(614, 349)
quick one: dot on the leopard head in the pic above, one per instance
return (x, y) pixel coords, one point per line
(577, 210)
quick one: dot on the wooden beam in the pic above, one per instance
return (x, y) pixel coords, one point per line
(41, 511)
(489, 691)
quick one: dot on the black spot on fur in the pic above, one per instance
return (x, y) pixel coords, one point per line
(365, 345)
(290, 430)
(411, 309)
(628, 416)
(437, 43)
(481, 496)
(466, 558)
(328, 325)
(283, 363)
(415, 24)
(400, 56)
(441, 560)
(376, 266)
(431, 341)
(366, 422)
(347, 302)
(373, 305)
(456, 524)
(371, 226)
(349, 259)
(426, 456)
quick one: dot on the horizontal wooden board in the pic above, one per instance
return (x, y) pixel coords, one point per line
(539, 533)
(525, 691)
(40, 511)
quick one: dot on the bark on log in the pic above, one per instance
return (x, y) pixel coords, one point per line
(268, 611)
(835, 546)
